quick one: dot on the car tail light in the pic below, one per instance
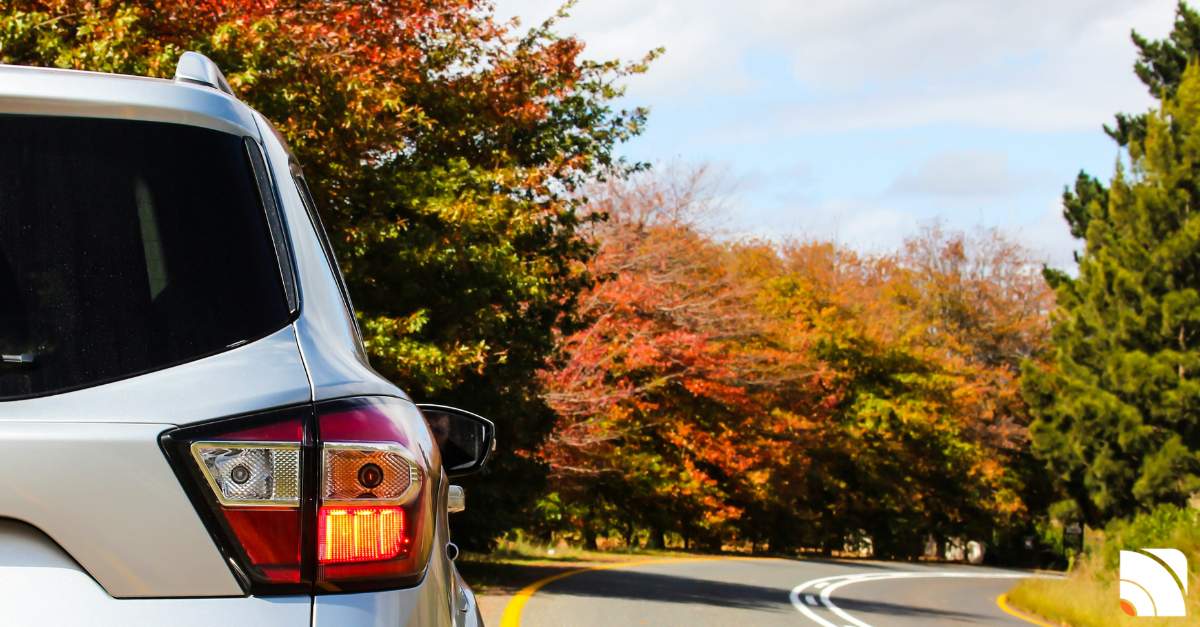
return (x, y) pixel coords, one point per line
(325, 498)
(375, 523)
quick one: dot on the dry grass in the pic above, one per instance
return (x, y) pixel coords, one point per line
(1086, 600)
(1090, 596)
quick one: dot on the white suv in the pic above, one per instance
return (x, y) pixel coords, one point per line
(190, 432)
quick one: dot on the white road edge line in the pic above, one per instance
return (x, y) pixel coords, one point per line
(827, 586)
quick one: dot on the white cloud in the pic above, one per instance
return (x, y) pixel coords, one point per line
(787, 178)
(877, 224)
(997, 84)
(1029, 64)
(875, 228)
(865, 222)
(966, 173)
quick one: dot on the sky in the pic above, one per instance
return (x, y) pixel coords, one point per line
(860, 120)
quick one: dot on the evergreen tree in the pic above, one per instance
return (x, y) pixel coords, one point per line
(1160, 66)
(1118, 415)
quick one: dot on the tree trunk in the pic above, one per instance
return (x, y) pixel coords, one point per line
(657, 539)
(589, 536)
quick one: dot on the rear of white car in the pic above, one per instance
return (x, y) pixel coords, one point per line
(189, 429)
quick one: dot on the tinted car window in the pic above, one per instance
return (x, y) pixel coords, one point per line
(126, 246)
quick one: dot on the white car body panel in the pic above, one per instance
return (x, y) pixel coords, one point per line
(379, 609)
(259, 375)
(44, 91)
(337, 365)
(105, 493)
(43, 587)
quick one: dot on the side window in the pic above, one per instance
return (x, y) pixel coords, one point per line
(311, 207)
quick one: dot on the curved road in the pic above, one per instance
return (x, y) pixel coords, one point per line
(735, 592)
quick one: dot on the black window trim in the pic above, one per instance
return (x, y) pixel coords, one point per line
(276, 224)
(326, 247)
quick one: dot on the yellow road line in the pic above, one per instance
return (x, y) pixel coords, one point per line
(1001, 601)
(512, 611)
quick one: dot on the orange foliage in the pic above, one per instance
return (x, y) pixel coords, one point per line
(792, 394)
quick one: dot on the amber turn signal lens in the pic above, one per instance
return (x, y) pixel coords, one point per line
(360, 534)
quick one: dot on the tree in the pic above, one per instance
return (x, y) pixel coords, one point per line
(658, 398)
(792, 395)
(919, 354)
(1160, 67)
(445, 153)
(1117, 413)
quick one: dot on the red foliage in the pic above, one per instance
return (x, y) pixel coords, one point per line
(792, 394)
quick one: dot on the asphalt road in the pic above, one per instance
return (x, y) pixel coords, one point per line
(769, 593)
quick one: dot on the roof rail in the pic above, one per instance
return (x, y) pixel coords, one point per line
(198, 69)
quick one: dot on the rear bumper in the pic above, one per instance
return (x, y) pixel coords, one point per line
(427, 605)
(413, 607)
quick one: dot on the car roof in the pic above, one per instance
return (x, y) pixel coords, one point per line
(50, 91)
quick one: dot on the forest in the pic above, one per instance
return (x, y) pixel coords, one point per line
(658, 379)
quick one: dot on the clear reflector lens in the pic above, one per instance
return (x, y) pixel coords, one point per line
(360, 534)
(260, 474)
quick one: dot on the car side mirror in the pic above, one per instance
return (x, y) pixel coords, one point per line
(464, 439)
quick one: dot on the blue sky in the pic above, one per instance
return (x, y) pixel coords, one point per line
(861, 119)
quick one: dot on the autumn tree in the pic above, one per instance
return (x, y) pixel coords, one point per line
(444, 149)
(918, 353)
(793, 395)
(656, 396)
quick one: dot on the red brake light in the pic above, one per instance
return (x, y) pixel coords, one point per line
(296, 513)
(360, 534)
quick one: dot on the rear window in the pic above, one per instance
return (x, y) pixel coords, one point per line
(126, 247)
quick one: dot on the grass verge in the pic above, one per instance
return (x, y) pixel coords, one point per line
(1090, 595)
(1086, 600)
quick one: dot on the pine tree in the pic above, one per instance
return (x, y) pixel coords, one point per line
(1160, 67)
(1118, 415)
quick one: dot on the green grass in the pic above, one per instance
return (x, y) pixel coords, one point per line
(1090, 597)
